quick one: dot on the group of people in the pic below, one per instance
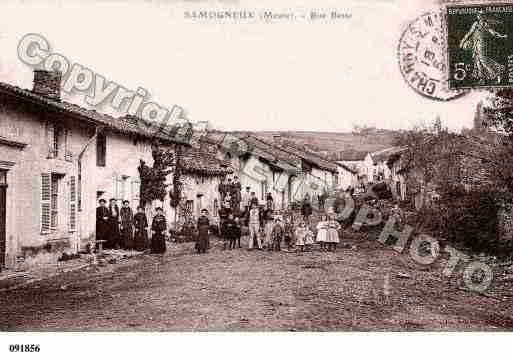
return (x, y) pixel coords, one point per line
(230, 193)
(120, 228)
(269, 230)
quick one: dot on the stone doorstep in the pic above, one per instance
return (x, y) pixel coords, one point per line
(11, 279)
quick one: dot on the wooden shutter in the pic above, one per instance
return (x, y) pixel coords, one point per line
(46, 195)
(72, 223)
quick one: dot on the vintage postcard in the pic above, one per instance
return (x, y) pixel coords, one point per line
(253, 166)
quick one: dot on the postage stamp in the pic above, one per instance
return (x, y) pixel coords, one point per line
(479, 39)
(421, 58)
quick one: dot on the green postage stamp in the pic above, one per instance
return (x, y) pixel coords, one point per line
(479, 45)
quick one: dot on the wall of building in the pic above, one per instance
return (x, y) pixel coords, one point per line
(204, 194)
(346, 179)
(119, 178)
(24, 237)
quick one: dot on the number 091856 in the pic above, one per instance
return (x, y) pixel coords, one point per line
(24, 348)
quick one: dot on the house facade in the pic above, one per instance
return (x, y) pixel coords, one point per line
(347, 177)
(201, 175)
(56, 161)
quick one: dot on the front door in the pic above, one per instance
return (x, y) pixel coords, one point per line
(3, 193)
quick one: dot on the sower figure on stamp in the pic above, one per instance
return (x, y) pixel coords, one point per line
(479, 39)
(127, 226)
(102, 222)
(158, 226)
(141, 234)
(113, 241)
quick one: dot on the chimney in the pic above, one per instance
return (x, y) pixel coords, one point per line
(277, 138)
(48, 83)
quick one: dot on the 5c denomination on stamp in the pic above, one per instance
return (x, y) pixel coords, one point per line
(479, 45)
(421, 58)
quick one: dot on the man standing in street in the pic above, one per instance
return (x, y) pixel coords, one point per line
(254, 227)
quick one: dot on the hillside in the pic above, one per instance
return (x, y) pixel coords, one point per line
(337, 145)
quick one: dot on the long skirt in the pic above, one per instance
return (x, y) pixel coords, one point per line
(113, 240)
(141, 240)
(158, 243)
(127, 237)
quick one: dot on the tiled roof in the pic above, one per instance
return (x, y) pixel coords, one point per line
(123, 125)
(384, 155)
(195, 161)
(310, 157)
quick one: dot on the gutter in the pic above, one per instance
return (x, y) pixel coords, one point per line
(97, 131)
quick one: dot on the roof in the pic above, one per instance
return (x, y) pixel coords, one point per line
(124, 125)
(243, 143)
(285, 156)
(385, 154)
(194, 161)
(346, 167)
(313, 158)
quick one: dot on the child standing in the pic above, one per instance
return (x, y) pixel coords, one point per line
(229, 232)
(277, 234)
(309, 238)
(322, 232)
(333, 239)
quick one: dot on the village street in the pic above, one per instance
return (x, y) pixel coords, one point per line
(241, 290)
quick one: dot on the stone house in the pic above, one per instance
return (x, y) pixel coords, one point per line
(56, 160)
(201, 175)
(375, 168)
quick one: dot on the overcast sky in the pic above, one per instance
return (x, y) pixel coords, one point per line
(295, 75)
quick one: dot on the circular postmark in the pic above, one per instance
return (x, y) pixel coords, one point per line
(421, 58)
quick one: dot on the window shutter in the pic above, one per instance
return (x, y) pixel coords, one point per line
(45, 202)
(72, 204)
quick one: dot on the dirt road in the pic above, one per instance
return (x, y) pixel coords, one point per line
(367, 287)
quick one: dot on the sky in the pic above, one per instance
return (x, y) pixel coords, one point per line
(239, 75)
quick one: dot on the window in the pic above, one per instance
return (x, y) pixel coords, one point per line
(189, 206)
(101, 150)
(54, 136)
(3, 177)
(263, 189)
(57, 131)
(52, 202)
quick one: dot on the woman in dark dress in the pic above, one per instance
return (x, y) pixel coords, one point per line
(158, 226)
(306, 209)
(113, 240)
(127, 226)
(141, 233)
(203, 232)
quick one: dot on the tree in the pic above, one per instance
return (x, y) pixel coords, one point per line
(153, 179)
(499, 113)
